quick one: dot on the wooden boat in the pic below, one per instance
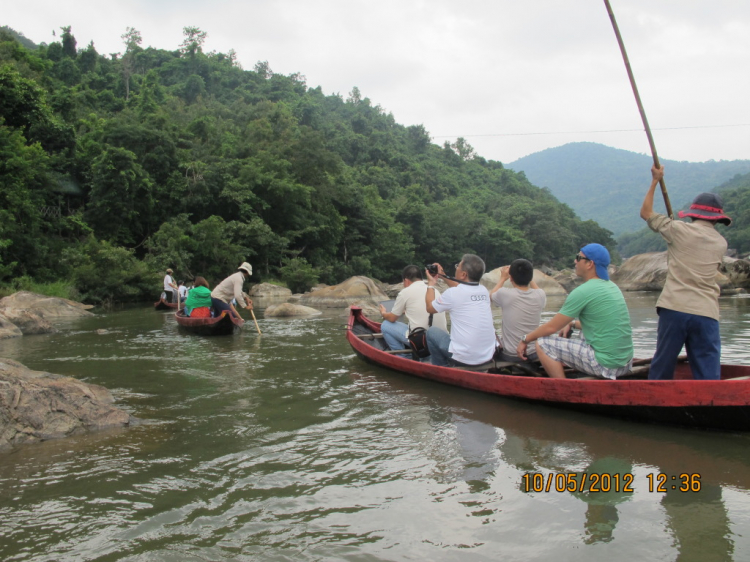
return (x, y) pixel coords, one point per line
(222, 325)
(161, 304)
(722, 404)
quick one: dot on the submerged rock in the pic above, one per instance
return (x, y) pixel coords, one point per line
(35, 406)
(287, 310)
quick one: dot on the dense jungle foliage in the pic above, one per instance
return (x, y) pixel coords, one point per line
(115, 167)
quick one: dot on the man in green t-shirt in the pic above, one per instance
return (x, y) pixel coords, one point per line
(598, 308)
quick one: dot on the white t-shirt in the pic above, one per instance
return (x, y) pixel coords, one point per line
(182, 289)
(522, 313)
(168, 281)
(411, 301)
(472, 331)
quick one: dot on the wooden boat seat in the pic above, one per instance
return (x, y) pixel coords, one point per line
(370, 336)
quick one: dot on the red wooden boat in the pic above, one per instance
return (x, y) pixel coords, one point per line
(161, 304)
(223, 325)
(722, 404)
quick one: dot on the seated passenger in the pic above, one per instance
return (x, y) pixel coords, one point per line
(410, 301)
(606, 350)
(522, 306)
(472, 339)
(198, 303)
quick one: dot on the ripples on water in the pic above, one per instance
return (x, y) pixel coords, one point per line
(286, 446)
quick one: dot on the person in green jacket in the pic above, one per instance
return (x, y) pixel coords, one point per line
(198, 303)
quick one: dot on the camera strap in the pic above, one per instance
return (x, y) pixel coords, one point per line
(472, 283)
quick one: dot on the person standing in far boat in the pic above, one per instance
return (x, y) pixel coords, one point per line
(231, 288)
(199, 302)
(472, 339)
(410, 301)
(606, 350)
(182, 290)
(170, 287)
(522, 306)
(688, 306)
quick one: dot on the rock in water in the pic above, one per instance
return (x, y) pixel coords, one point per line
(288, 310)
(35, 406)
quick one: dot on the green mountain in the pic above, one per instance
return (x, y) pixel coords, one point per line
(115, 167)
(607, 184)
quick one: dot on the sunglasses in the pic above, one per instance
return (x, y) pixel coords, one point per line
(580, 257)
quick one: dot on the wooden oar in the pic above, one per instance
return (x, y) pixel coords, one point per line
(254, 320)
(640, 106)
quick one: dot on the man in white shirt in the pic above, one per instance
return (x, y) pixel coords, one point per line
(472, 339)
(410, 301)
(170, 288)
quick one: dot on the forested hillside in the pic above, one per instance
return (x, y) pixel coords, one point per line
(736, 196)
(607, 184)
(116, 167)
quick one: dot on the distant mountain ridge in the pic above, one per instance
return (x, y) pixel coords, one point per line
(607, 184)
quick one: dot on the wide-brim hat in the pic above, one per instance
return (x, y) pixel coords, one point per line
(600, 256)
(247, 267)
(707, 207)
(169, 271)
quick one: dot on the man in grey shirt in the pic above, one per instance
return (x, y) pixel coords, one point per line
(522, 307)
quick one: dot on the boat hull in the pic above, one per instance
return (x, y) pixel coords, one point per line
(723, 404)
(223, 325)
(161, 304)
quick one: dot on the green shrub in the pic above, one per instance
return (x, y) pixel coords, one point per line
(299, 275)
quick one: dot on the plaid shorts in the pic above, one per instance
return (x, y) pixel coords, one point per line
(576, 353)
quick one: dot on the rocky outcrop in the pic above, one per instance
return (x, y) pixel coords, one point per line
(354, 289)
(548, 284)
(8, 329)
(648, 272)
(289, 310)
(49, 308)
(269, 290)
(28, 321)
(36, 406)
(568, 279)
(642, 272)
(369, 309)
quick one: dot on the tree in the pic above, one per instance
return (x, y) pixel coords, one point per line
(132, 39)
(193, 42)
(68, 43)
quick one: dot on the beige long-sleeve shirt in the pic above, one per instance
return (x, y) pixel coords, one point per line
(694, 254)
(230, 288)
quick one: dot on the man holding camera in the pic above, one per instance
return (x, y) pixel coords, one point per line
(472, 339)
(410, 301)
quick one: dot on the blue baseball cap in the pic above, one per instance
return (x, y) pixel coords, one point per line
(600, 256)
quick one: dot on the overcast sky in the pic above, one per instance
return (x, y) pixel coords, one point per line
(513, 77)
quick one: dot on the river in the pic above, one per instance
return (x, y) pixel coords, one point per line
(286, 446)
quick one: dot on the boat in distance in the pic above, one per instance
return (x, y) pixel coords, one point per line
(722, 404)
(161, 304)
(223, 325)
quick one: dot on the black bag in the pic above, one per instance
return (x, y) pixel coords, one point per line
(418, 343)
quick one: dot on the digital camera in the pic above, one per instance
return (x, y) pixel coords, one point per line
(432, 269)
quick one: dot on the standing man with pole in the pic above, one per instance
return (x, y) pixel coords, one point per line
(231, 288)
(688, 306)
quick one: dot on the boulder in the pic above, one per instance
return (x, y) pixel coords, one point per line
(352, 290)
(648, 272)
(737, 272)
(8, 329)
(548, 284)
(49, 308)
(568, 279)
(288, 310)
(642, 272)
(28, 321)
(269, 290)
(35, 406)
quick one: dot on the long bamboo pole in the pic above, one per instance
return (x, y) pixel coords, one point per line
(640, 106)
